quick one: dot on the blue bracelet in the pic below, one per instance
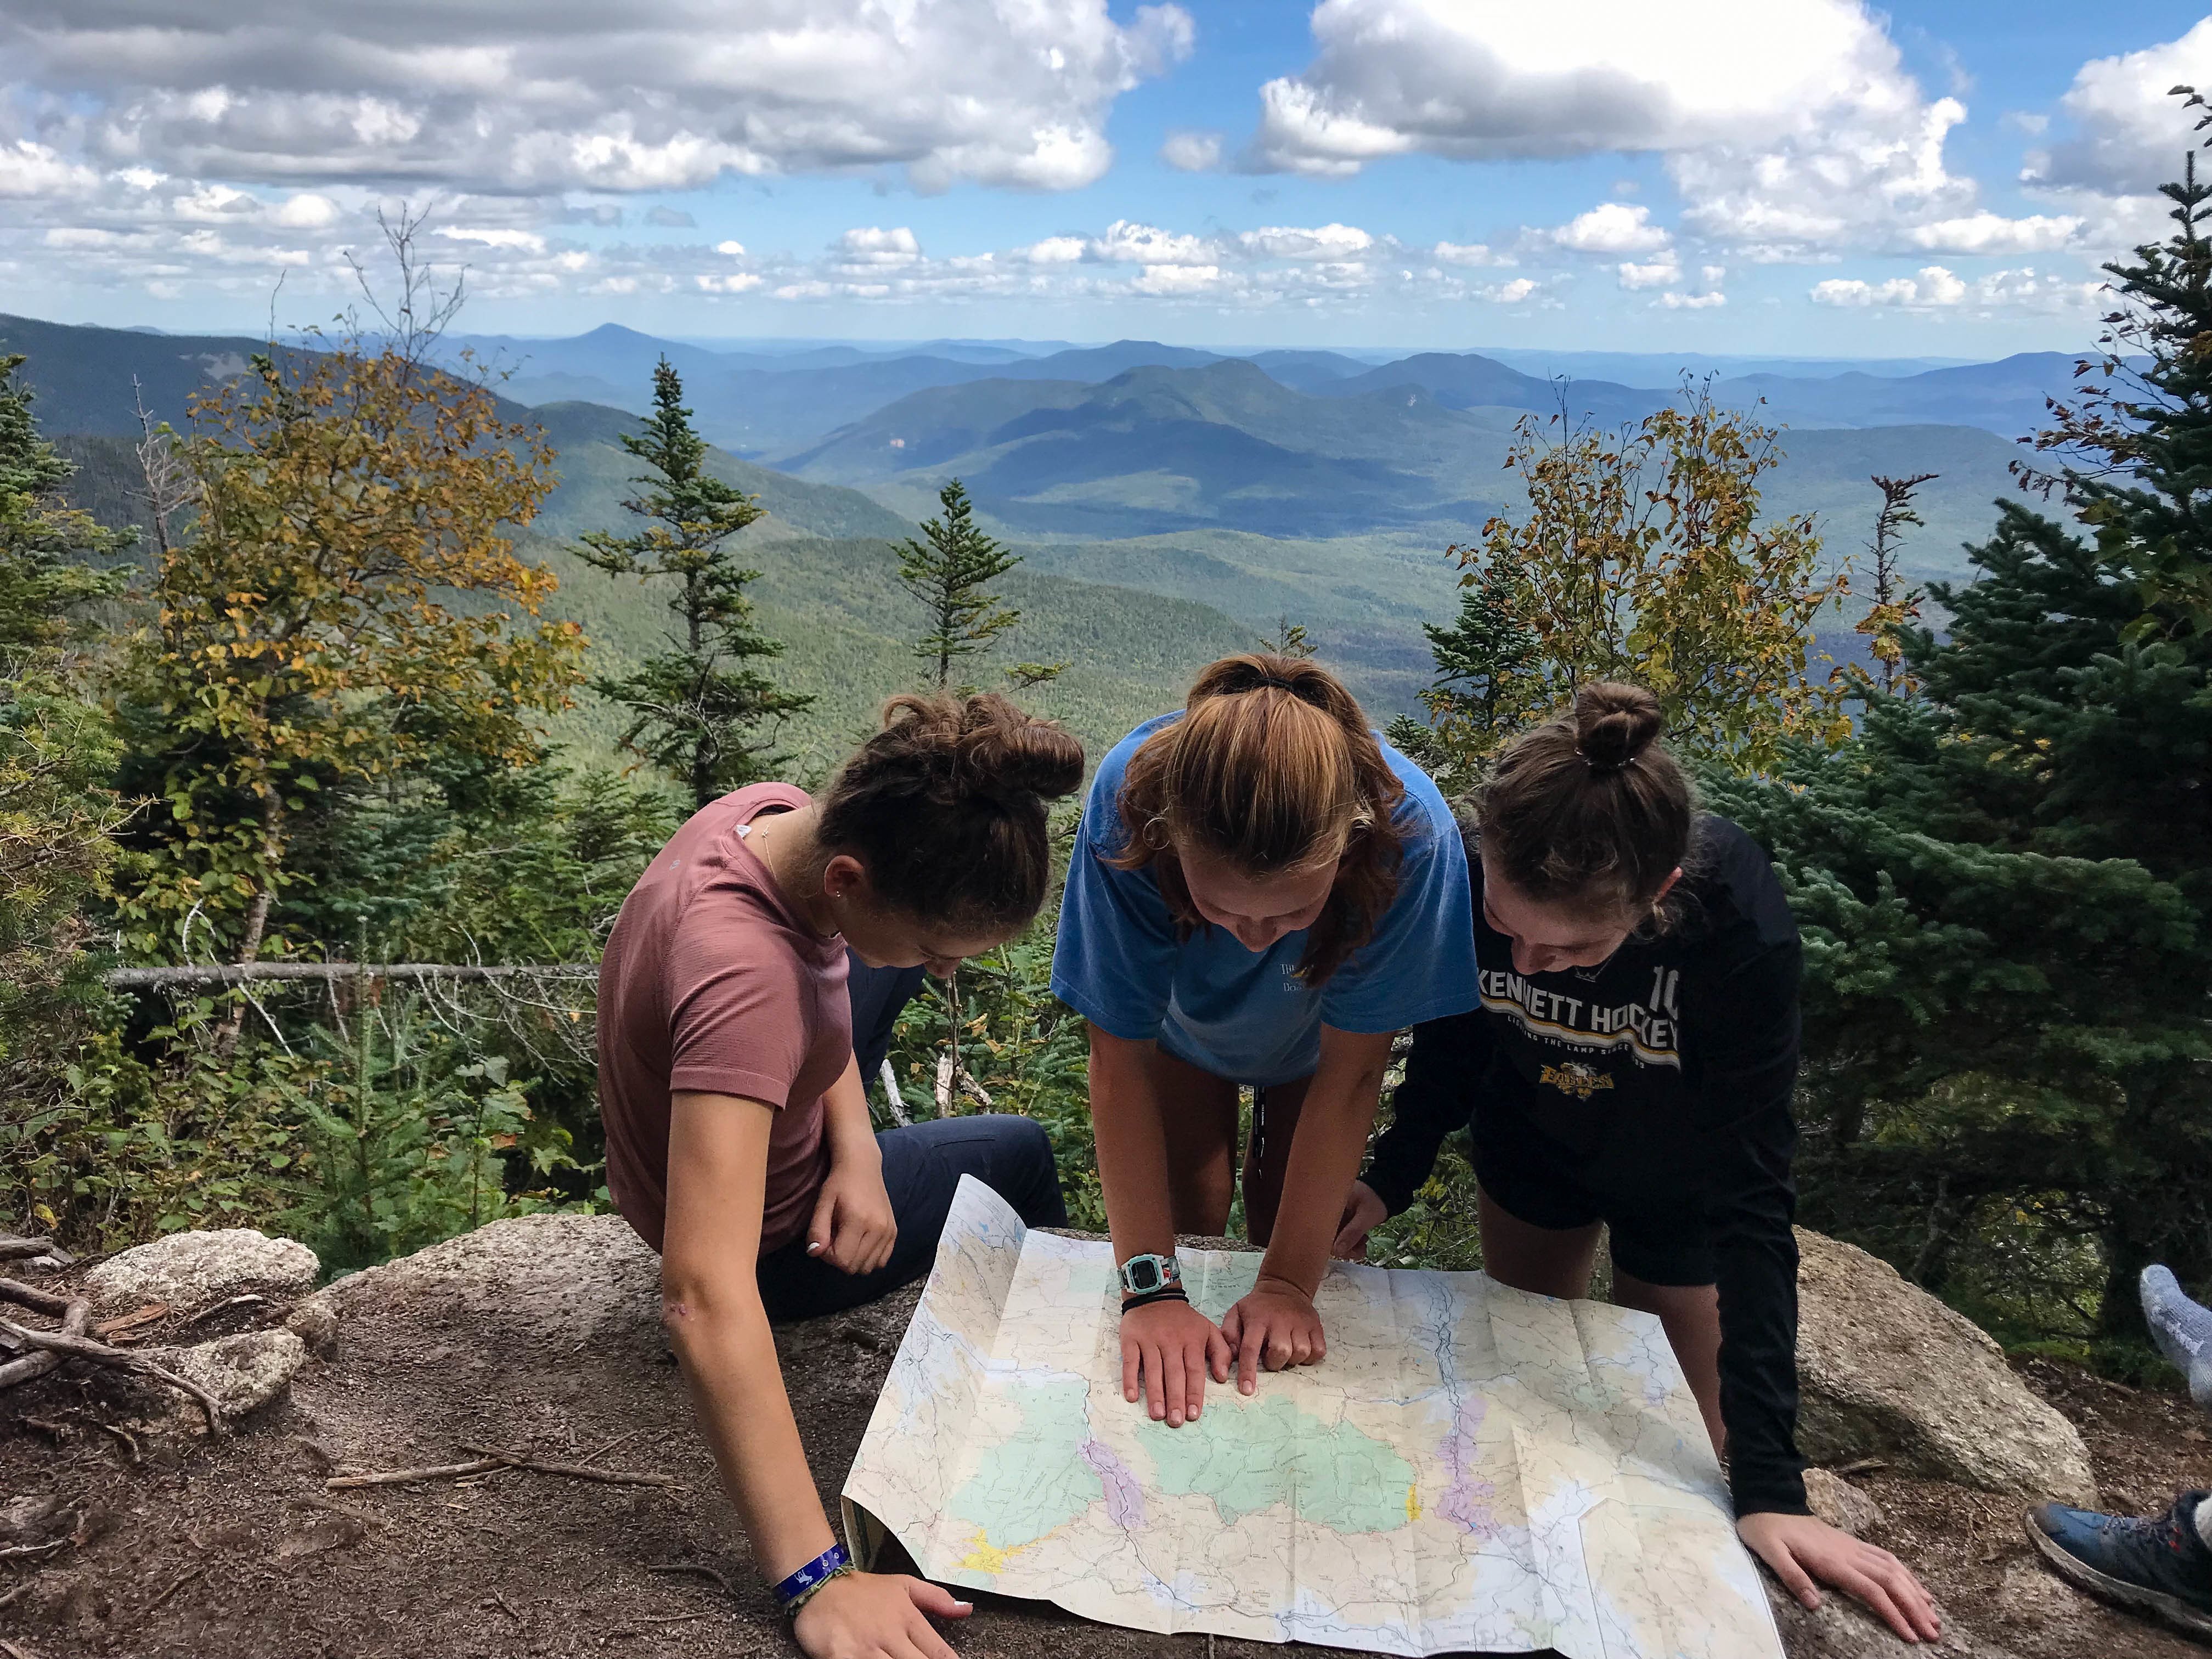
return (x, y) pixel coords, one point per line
(812, 1576)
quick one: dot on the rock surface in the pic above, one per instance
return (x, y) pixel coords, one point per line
(243, 1372)
(195, 1271)
(1886, 1371)
(1842, 1629)
(548, 1275)
(1840, 1503)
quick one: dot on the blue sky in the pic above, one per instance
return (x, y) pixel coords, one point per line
(1799, 177)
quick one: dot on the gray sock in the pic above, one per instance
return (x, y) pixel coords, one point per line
(2204, 1520)
(2183, 1331)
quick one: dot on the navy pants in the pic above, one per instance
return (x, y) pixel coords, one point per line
(922, 1166)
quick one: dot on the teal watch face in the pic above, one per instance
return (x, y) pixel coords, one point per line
(1143, 1274)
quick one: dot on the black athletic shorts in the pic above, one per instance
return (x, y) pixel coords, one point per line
(1658, 1231)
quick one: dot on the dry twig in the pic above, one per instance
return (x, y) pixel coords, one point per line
(572, 1471)
(619, 1440)
(83, 1347)
(130, 1323)
(175, 1585)
(23, 1249)
(405, 1477)
(23, 1552)
(221, 1307)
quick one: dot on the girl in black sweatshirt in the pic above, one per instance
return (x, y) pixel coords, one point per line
(1631, 1064)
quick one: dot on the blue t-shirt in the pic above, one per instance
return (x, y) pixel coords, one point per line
(1250, 1017)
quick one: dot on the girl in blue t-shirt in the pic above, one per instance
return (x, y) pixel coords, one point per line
(1262, 893)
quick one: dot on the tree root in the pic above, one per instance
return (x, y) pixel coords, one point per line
(70, 1343)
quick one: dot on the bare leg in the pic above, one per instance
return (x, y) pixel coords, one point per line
(1692, 1315)
(1275, 1121)
(1201, 1135)
(1549, 1261)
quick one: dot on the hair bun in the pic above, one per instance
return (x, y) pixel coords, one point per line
(1614, 723)
(1003, 751)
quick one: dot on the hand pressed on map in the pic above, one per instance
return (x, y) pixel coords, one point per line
(1804, 1550)
(1364, 1211)
(1274, 1326)
(1168, 1348)
(869, 1615)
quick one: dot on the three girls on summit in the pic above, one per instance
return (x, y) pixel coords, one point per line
(1602, 986)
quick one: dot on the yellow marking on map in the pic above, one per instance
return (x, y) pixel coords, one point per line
(1413, 1503)
(981, 1558)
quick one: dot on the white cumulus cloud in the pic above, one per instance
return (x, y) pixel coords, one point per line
(1330, 241)
(482, 94)
(2129, 135)
(871, 246)
(1612, 228)
(1992, 233)
(1486, 78)
(1933, 286)
(1192, 152)
(1660, 273)
(1129, 243)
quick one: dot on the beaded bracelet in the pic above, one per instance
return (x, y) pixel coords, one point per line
(801, 1587)
(1173, 1293)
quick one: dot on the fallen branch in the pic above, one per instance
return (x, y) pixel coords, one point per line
(237, 973)
(23, 1249)
(30, 1296)
(405, 1477)
(72, 1345)
(22, 1551)
(75, 1318)
(224, 1307)
(572, 1471)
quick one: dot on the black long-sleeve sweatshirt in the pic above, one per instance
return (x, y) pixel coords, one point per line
(1668, 1071)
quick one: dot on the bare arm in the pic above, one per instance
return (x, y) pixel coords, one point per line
(1324, 1154)
(710, 1301)
(1168, 1348)
(1126, 1118)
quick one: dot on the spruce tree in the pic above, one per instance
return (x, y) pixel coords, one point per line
(2005, 883)
(57, 753)
(2136, 441)
(699, 710)
(950, 571)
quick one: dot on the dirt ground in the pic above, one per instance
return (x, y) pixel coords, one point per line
(171, 1547)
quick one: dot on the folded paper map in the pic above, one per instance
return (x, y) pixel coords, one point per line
(1471, 1466)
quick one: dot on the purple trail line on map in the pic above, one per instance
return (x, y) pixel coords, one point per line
(1125, 1502)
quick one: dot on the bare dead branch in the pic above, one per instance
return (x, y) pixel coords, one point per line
(71, 1345)
(572, 1471)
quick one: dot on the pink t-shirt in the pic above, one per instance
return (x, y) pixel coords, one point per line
(712, 983)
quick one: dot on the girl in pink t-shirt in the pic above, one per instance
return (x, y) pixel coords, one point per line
(739, 1143)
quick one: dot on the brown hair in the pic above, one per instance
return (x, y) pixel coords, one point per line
(946, 807)
(1590, 812)
(1272, 767)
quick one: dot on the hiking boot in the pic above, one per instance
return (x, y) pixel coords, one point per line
(2159, 1566)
